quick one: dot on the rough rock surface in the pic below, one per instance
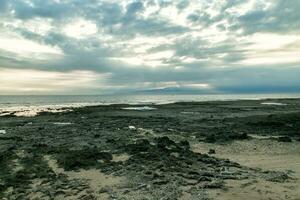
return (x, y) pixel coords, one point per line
(63, 155)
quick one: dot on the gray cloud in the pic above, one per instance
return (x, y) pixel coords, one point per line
(40, 8)
(281, 17)
(142, 42)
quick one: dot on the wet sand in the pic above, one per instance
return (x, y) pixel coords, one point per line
(265, 154)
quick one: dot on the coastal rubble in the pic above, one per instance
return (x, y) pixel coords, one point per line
(44, 158)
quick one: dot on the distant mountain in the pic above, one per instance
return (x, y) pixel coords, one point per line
(175, 90)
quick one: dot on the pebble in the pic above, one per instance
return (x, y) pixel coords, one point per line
(212, 151)
(132, 127)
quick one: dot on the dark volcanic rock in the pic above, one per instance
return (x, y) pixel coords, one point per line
(225, 137)
(278, 177)
(157, 164)
(212, 151)
(76, 159)
(184, 144)
(139, 146)
(165, 142)
(284, 139)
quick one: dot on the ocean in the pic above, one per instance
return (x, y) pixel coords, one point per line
(30, 105)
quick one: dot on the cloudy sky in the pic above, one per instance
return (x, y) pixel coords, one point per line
(117, 46)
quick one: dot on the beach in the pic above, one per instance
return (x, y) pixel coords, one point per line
(239, 149)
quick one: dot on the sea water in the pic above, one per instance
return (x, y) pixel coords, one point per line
(29, 105)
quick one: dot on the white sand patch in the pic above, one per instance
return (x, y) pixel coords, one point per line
(120, 157)
(95, 178)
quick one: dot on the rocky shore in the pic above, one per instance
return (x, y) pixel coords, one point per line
(190, 150)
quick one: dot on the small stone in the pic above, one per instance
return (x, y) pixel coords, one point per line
(212, 151)
(126, 191)
(184, 144)
(132, 127)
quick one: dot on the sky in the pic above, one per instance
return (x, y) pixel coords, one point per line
(125, 46)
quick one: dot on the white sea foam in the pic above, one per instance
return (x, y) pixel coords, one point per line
(30, 111)
(274, 104)
(141, 108)
(62, 123)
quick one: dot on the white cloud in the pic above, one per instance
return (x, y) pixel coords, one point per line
(20, 80)
(277, 57)
(39, 26)
(197, 85)
(25, 48)
(269, 41)
(242, 8)
(80, 28)
(160, 42)
(171, 14)
(268, 48)
(147, 59)
(187, 59)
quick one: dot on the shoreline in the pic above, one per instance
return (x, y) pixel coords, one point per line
(33, 110)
